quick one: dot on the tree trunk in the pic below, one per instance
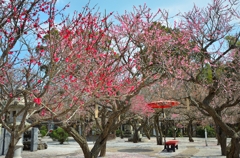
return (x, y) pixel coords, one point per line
(159, 139)
(121, 134)
(159, 135)
(10, 152)
(221, 136)
(190, 131)
(147, 131)
(106, 126)
(99, 144)
(135, 136)
(11, 147)
(234, 149)
(137, 129)
(80, 140)
(103, 150)
(222, 140)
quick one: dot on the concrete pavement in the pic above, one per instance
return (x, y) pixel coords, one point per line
(120, 148)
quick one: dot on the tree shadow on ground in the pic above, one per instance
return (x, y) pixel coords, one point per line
(135, 150)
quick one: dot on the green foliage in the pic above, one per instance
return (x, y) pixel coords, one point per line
(60, 135)
(119, 132)
(54, 33)
(208, 73)
(179, 134)
(233, 41)
(43, 130)
(171, 131)
(201, 131)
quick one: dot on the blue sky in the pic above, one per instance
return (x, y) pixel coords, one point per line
(119, 6)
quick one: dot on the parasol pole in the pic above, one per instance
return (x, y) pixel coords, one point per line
(164, 126)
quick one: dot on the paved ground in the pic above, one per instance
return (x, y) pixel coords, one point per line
(120, 148)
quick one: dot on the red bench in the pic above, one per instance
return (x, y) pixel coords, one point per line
(171, 145)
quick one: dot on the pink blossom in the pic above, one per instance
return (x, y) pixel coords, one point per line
(37, 101)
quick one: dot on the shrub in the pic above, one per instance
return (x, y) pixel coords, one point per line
(210, 131)
(179, 133)
(171, 131)
(119, 133)
(43, 130)
(60, 135)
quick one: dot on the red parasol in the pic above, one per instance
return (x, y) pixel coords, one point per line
(162, 104)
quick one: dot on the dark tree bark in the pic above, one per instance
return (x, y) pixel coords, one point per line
(103, 150)
(147, 130)
(135, 136)
(106, 126)
(222, 140)
(98, 146)
(10, 151)
(11, 147)
(234, 149)
(228, 130)
(137, 129)
(190, 131)
(158, 129)
(221, 136)
(80, 140)
(121, 134)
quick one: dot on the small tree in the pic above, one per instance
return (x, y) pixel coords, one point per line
(43, 130)
(60, 135)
